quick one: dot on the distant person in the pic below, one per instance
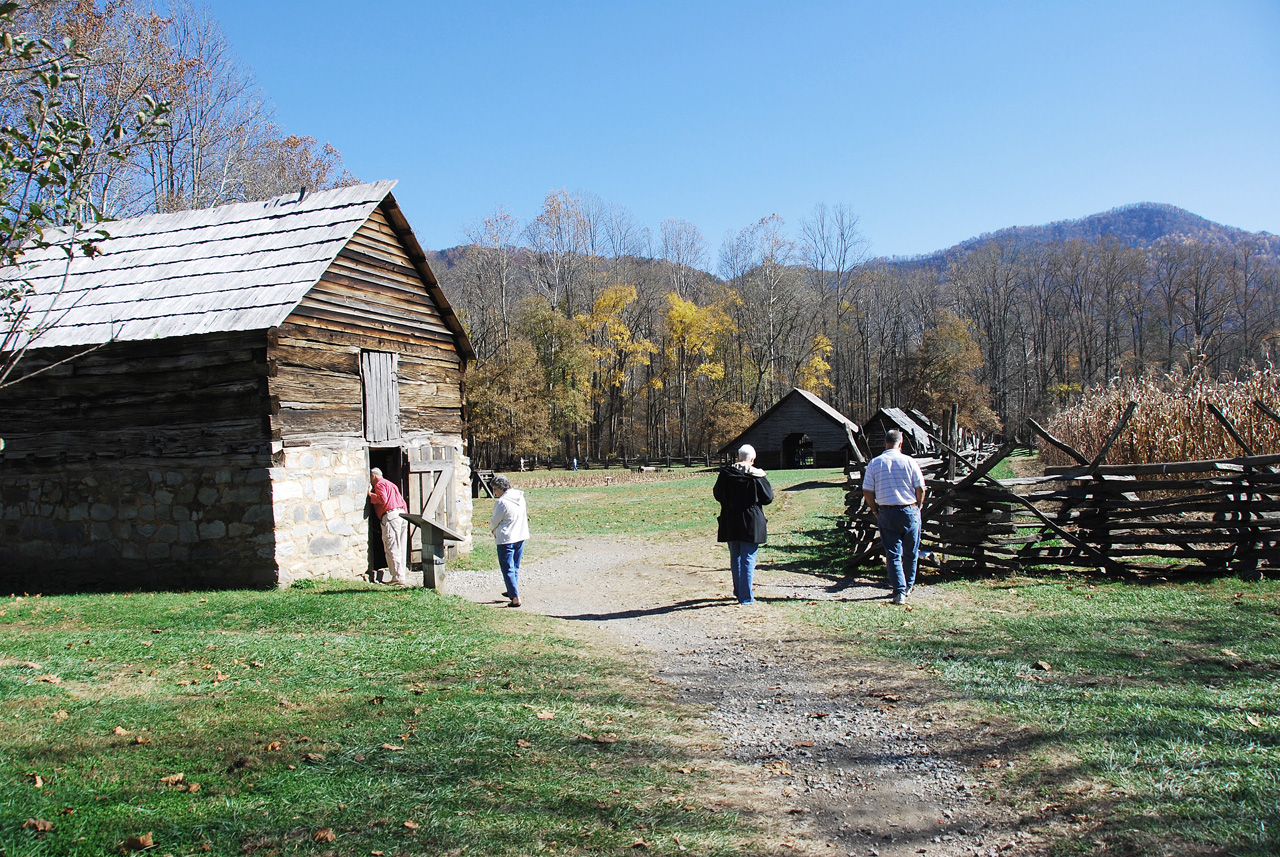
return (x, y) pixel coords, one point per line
(522, 465)
(575, 464)
(742, 489)
(894, 490)
(510, 527)
(389, 505)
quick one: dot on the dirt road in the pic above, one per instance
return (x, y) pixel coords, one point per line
(829, 754)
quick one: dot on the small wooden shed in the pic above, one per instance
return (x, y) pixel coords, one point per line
(249, 364)
(915, 439)
(800, 430)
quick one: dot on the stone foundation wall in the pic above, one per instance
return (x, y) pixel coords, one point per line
(195, 523)
(322, 514)
(321, 511)
(169, 524)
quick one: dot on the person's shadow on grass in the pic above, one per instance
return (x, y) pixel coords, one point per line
(689, 604)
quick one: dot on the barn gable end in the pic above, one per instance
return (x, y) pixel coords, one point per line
(799, 430)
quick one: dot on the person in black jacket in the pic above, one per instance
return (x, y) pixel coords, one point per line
(742, 488)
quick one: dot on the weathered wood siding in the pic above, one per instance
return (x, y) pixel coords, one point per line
(131, 465)
(796, 415)
(191, 395)
(371, 298)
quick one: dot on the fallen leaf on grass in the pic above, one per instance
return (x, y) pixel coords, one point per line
(885, 695)
(303, 740)
(49, 678)
(818, 715)
(803, 744)
(520, 742)
(31, 665)
(120, 730)
(138, 843)
(193, 787)
(60, 715)
(36, 780)
(173, 779)
(391, 747)
(157, 630)
(1253, 721)
(546, 715)
(797, 810)
(274, 746)
(1043, 666)
(314, 757)
(142, 739)
(993, 763)
(607, 738)
(639, 843)
(37, 824)
(412, 825)
(257, 665)
(1226, 652)
(324, 834)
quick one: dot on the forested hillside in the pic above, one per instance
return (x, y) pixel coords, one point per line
(1139, 225)
(597, 337)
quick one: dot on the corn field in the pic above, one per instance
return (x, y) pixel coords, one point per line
(1173, 421)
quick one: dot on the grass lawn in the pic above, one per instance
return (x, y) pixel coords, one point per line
(1157, 723)
(1158, 720)
(336, 720)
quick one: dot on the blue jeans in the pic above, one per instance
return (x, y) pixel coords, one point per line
(509, 561)
(900, 535)
(742, 564)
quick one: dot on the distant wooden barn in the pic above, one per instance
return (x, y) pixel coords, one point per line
(800, 430)
(255, 361)
(915, 439)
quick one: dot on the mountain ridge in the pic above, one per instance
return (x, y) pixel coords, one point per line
(1138, 224)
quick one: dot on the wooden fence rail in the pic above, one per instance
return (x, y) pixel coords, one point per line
(1132, 520)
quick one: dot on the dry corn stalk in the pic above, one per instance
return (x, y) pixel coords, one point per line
(1173, 421)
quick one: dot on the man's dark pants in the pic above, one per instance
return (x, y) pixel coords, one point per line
(900, 535)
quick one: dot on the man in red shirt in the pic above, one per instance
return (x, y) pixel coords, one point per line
(388, 504)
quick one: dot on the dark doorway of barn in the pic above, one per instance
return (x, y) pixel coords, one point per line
(797, 451)
(394, 464)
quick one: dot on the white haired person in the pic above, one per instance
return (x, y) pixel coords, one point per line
(894, 490)
(510, 527)
(742, 489)
(389, 505)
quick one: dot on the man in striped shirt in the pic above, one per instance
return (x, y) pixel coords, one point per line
(894, 490)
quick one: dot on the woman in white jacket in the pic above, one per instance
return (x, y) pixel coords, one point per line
(510, 527)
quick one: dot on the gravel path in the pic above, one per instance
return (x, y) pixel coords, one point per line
(842, 756)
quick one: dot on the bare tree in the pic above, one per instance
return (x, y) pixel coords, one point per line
(684, 247)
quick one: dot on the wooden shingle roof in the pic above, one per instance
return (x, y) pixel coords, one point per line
(231, 268)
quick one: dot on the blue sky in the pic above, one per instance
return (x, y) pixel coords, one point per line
(933, 121)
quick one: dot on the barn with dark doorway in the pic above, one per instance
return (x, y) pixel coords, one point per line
(231, 375)
(800, 430)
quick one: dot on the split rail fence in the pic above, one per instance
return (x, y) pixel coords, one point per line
(1129, 520)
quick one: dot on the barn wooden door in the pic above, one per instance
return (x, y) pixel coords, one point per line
(380, 381)
(432, 493)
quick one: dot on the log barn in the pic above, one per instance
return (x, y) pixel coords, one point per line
(915, 439)
(800, 430)
(230, 376)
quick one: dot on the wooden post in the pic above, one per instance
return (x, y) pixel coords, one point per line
(953, 433)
